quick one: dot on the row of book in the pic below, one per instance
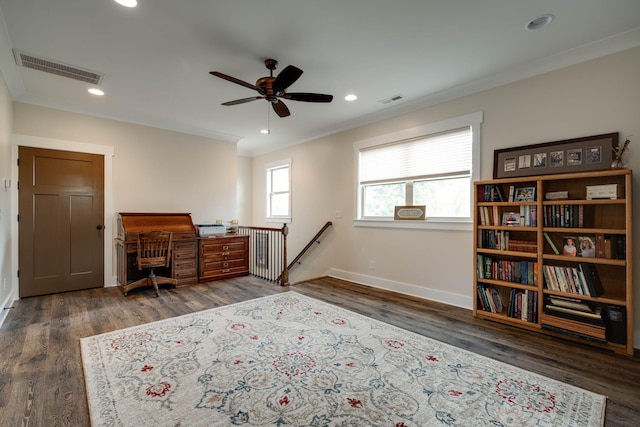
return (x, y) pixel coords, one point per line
(575, 316)
(563, 216)
(499, 239)
(523, 304)
(524, 272)
(612, 246)
(583, 280)
(489, 299)
(494, 193)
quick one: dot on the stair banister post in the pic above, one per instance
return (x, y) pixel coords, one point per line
(284, 278)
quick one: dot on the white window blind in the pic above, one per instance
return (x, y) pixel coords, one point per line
(444, 154)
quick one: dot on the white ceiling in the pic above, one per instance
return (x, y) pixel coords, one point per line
(156, 58)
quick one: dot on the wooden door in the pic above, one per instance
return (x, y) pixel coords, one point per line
(61, 211)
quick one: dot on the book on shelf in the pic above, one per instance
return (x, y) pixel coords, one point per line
(566, 279)
(523, 305)
(568, 302)
(563, 216)
(614, 246)
(599, 245)
(573, 333)
(494, 193)
(489, 299)
(522, 272)
(594, 317)
(592, 278)
(553, 246)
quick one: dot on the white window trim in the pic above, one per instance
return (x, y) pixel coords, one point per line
(474, 120)
(272, 165)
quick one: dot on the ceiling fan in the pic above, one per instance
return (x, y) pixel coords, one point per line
(272, 88)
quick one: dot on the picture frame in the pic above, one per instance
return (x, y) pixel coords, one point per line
(511, 218)
(589, 153)
(525, 194)
(570, 246)
(587, 246)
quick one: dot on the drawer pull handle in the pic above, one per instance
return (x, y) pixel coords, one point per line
(226, 264)
(226, 253)
(225, 247)
(226, 271)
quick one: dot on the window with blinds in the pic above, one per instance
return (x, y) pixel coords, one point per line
(432, 170)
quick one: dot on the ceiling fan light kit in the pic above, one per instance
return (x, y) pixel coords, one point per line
(273, 88)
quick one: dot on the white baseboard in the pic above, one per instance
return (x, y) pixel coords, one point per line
(420, 292)
(7, 304)
(404, 288)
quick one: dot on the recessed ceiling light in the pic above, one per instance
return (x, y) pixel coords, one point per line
(96, 91)
(350, 97)
(127, 3)
(265, 131)
(540, 22)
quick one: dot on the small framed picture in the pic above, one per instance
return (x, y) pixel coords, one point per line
(511, 218)
(525, 194)
(586, 246)
(569, 246)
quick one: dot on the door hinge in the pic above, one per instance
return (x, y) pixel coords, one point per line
(18, 217)
(18, 162)
(18, 273)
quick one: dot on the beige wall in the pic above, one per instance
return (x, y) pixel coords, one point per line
(153, 170)
(595, 97)
(6, 123)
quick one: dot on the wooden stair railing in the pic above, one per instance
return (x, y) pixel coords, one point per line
(268, 251)
(316, 239)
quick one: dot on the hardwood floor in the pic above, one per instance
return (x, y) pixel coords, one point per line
(42, 383)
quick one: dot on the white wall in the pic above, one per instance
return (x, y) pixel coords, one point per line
(595, 97)
(6, 124)
(153, 170)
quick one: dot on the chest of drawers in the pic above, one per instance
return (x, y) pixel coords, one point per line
(221, 257)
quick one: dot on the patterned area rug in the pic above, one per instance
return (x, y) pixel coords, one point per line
(290, 360)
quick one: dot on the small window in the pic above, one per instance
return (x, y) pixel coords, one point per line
(279, 191)
(433, 165)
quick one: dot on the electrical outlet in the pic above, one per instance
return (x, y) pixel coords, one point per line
(372, 265)
(337, 214)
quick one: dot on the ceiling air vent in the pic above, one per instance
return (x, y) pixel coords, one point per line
(391, 99)
(48, 66)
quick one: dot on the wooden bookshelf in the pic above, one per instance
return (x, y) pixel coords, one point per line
(520, 280)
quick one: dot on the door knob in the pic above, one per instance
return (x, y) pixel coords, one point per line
(99, 227)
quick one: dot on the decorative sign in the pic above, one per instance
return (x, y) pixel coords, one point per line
(410, 213)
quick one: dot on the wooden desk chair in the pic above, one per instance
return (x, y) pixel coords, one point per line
(154, 250)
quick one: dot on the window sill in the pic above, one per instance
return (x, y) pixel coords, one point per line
(415, 225)
(280, 220)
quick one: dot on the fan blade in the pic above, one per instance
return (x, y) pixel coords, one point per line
(286, 78)
(236, 81)
(242, 101)
(280, 109)
(308, 97)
